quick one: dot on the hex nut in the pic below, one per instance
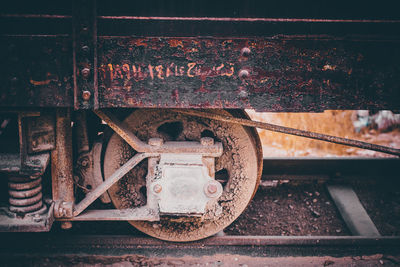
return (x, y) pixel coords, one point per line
(243, 94)
(157, 188)
(86, 95)
(84, 162)
(245, 52)
(85, 48)
(212, 188)
(85, 72)
(156, 141)
(243, 74)
(66, 225)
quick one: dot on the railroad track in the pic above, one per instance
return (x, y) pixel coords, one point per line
(361, 239)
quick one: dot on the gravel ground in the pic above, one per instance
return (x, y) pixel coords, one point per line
(381, 200)
(290, 209)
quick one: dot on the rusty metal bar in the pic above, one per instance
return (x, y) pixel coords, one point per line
(168, 147)
(118, 174)
(123, 132)
(307, 20)
(81, 132)
(85, 54)
(143, 213)
(61, 159)
(292, 131)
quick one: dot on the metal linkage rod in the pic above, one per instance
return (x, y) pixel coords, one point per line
(118, 174)
(292, 131)
(123, 131)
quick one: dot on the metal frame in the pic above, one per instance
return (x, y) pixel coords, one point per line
(67, 211)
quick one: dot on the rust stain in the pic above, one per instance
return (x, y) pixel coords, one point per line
(45, 82)
(138, 42)
(328, 67)
(175, 43)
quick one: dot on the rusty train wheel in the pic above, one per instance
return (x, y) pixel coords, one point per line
(238, 169)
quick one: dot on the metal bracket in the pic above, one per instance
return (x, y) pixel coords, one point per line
(89, 172)
(85, 54)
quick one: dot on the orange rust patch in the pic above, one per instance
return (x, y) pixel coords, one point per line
(138, 42)
(45, 82)
(175, 43)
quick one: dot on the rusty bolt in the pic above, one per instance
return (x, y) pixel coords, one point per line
(243, 94)
(84, 162)
(245, 52)
(85, 28)
(85, 48)
(66, 225)
(243, 74)
(206, 141)
(86, 95)
(85, 72)
(156, 141)
(37, 218)
(34, 143)
(157, 188)
(212, 188)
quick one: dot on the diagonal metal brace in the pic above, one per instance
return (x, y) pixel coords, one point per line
(115, 177)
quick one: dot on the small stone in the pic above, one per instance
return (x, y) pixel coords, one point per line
(327, 203)
(317, 193)
(315, 213)
(372, 257)
(307, 203)
(289, 195)
(328, 262)
(275, 201)
(290, 207)
(381, 262)
(314, 200)
(338, 230)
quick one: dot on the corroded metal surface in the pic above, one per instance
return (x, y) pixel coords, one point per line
(85, 54)
(282, 72)
(110, 181)
(36, 71)
(214, 150)
(276, 75)
(61, 159)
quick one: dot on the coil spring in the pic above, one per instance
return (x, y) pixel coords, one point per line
(25, 194)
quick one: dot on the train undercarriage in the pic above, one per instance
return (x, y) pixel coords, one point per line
(141, 118)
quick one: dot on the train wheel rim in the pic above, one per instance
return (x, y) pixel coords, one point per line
(238, 169)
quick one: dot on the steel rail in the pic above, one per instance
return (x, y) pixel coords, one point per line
(292, 131)
(232, 19)
(47, 245)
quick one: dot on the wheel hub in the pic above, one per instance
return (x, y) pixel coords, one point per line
(182, 185)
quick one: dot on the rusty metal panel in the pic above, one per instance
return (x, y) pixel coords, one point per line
(40, 133)
(264, 74)
(35, 71)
